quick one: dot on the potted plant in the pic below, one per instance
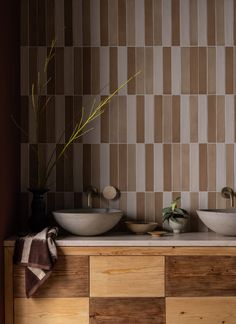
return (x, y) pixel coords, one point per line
(176, 217)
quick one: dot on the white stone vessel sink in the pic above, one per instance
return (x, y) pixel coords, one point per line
(89, 221)
(221, 221)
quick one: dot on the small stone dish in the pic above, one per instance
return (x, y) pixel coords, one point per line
(141, 228)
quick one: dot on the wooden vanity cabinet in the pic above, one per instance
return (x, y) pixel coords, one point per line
(121, 285)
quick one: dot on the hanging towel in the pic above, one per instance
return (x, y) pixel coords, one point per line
(38, 254)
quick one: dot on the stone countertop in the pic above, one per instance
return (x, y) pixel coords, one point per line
(124, 239)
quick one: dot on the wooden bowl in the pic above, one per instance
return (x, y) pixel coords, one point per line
(141, 228)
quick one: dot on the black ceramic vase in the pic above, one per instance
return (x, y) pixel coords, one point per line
(38, 219)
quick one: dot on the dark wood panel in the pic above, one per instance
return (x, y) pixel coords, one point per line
(201, 276)
(69, 279)
(127, 311)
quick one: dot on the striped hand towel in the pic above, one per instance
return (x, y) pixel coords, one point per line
(38, 254)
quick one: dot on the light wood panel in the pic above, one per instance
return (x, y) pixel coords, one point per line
(201, 276)
(205, 310)
(8, 259)
(127, 310)
(51, 311)
(68, 279)
(124, 276)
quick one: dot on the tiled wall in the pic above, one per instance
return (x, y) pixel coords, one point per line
(171, 131)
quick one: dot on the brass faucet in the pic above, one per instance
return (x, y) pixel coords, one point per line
(228, 193)
(90, 192)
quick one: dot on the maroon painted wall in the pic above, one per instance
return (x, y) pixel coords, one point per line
(9, 136)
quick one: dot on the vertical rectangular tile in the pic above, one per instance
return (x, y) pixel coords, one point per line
(140, 124)
(158, 207)
(149, 70)
(211, 119)
(68, 22)
(149, 117)
(211, 70)
(77, 22)
(24, 119)
(203, 176)
(131, 167)
(104, 22)
(148, 6)
(220, 70)
(104, 165)
(184, 23)
(158, 167)
(166, 70)
(211, 167)
(220, 166)
(149, 167)
(150, 207)
(131, 205)
(68, 170)
(220, 118)
(87, 71)
(130, 18)
(114, 163)
(78, 71)
(166, 23)
(24, 80)
(32, 67)
(86, 31)
(69, 127)
(211, 200)
(202, 119)
(59, 169)
(176, 70)
(158, 119)
(140, 199)
(131, 69)
(86, 166)
(122, 68)
(175, 22)
(230, 165)
(59, 22)
(229, 68)
(185, 70)
(194, 70)
(131, 119)
(95, 165)
(114, 119)
(122, 167)
(176, 167)
(167, 161)
(176, 119)
(139, 23)
(95, 22)
(202, 22)
(157, 12)
(158, 69)
(195, 169)
(24, 28)
(140, 167)
(60, 118)
(167, 119)
(113, 22)
(185, 154)
(211, 22)
(140, 66)
(69, 70)
(95, 70)
(113, 69)
(220, 24)
(33, 41)
(104, 70)
(41, 23)
(59, 84)
(122, 119)
(194, 22)
(229, 119)
(229, 9)
(78, 167)
(24, 169)
(193, 119)
(184, 120)
(202, 70)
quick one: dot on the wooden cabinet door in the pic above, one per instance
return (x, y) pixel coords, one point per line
(51, 311)
(126, 276)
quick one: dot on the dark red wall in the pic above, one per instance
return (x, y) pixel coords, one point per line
(9, 137)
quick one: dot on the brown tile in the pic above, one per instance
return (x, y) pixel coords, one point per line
(203, 183)
(149, 70)
(211, 119)
(234, 23)
(175, 16)
(230, 165)
(24, 28)
(95, 165)
(140, 198)
(158, 119)
(220, 30)
(140, 66)
(78, 200)
(211, 200)
(68, 170)
(87, 156)
(130, 22)
(59, 200)
(131, 69)
(33, 165)
(167, 167)
(194, 203)
(95, 67)
(211, 161)
(229, 68)
(122, 167)
(113, 22)
(78, 71)
(140, 127)
(104, 22)
(202, 70)
(122, 22)
(113, 69)
(185, 167)
(69, 110)
(194, 70)
(87, 71)
(122, 119)
(220, 117)
(193, 119)
(149, 162)
(68, 22)
(149, 207)
(167, 119)
(185, 70)
(193, 7)
(50, 121)
(176, 119)
(211, 22)
(33, 21)
(211, 70)
(148, 7)
(50, 21)
(114, 181)
(86, 22)
(51, 90)
(157, 7)
(77, 113)
(59, 169)
(166, 70)
(41, 12)
(24, 119)
(33, 68)
(114, 120)
(59, 70)
(131, 167)
(176, 167)
(158, 207)
(42, 120)
(105, 124)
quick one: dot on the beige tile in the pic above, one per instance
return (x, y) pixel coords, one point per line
(184, 23)
(149, 70)
(167, 118)
(113, 22)
(202, 22)
(211, 119)
(114, 120)
(185, 70)
(202, 119)
(230, 165)
(139, 23)
(122, 68)
(211, 70)
(113, 69)
(166, 70)
(150, 207)
(122, 119)
(140, 167)
(95, 165)
(104, 165)
(195, 168)
(229, 118)
(166, 23)
(220, 70)
(193, 119)
(158, 70)
(158, 113)
(185, 154)
(140, 66)
(220, 166)
(220, 118)
(202, 70)
(131, 167)
(149, 118)
(229, 25)
(176, 70)
(176, 119)
(114, 165)
(185, 120)
(158, 167)
(131, 205)
(194, 70)
(211, 161)
(122, 167)
(220, 31)
(130, 7)
(176, 167)
(193, 22)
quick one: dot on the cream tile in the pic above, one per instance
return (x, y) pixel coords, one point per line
(139, 23)
(158, 167)
(184, 23)
(229, 22)
(140, 167)
(149, 117)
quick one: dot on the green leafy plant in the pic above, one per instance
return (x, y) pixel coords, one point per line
(39, 104)
(172, 212)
